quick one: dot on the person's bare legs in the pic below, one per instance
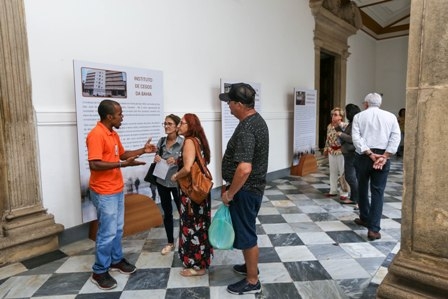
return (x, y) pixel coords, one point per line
(251, 259)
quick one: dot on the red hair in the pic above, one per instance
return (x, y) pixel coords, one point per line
(195, 129)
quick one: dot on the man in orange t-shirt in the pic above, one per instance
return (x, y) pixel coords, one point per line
(106, 156)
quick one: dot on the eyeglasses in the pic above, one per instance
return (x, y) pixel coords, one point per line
(168, 124)
(183, 123)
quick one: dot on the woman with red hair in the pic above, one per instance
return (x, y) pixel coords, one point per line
(195, 250)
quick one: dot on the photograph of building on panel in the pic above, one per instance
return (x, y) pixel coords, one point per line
(300, 97)
(103, 83)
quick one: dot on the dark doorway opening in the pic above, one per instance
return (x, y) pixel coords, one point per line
(326, 94)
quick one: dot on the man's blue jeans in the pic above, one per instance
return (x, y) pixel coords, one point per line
(110, 213)
(371, 212)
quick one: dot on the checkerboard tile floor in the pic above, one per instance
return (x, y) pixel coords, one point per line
(309, 248)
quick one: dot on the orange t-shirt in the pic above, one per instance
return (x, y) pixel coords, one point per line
(105, 145)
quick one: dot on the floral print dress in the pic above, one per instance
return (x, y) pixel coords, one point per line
(195, 250)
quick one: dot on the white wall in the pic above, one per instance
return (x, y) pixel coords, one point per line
(391, 69)
(194, 43)
(377, 66)
(360, 67)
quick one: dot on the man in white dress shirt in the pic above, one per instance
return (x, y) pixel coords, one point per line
(376, 136)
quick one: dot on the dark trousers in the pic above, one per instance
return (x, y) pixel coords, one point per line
(350, 176)
(165, 194)
(371, 212)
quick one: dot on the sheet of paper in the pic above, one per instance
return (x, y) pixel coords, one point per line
(161, 169)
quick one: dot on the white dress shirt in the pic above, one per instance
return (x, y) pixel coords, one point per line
(375, 128)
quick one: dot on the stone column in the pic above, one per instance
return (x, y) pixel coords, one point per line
(420, 269)
(26, 228)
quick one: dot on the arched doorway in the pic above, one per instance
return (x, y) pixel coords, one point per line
(331, 52)
(326, 94)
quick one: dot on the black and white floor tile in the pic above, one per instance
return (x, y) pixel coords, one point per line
(309, 248)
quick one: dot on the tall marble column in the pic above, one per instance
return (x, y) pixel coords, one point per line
(26, 228)
(420, 269)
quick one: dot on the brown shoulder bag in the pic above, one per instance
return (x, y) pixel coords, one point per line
(198, 184)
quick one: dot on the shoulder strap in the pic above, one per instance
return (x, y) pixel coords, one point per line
(200, 159)
(161, 140)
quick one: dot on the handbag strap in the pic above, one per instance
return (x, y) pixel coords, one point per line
(201, 160)
(160, 151)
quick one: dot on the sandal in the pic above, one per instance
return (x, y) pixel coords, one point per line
(189, 272)
(167, 249)
(346, 201)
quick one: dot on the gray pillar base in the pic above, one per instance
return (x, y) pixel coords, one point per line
(415, 276)
(27, 235)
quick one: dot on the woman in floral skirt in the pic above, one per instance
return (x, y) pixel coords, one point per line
(195, 250)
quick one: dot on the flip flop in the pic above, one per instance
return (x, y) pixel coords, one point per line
(189, 272)
(346, 202)
(167, 249)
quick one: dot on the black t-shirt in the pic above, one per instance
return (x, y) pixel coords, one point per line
(249, 143)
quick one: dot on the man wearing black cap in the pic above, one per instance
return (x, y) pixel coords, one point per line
(244, 168)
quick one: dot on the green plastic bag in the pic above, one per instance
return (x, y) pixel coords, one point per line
(220, 233)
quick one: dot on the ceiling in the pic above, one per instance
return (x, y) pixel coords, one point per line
(385, 18)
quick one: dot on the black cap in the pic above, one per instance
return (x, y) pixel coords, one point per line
(239, 92)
